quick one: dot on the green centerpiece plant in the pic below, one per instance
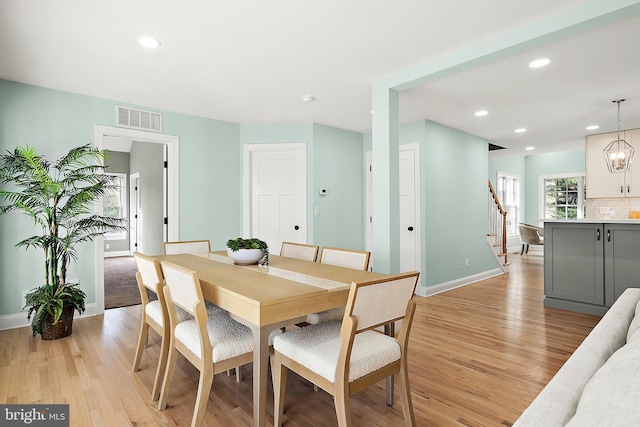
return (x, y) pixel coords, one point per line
(59, 197)
(236, 245)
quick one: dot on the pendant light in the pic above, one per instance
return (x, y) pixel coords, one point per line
(618, 153)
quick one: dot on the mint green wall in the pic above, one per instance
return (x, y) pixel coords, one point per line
(210, 178)
(339, 167)
(454, 184)
(530, 168)
(56, 121)
(561, 162)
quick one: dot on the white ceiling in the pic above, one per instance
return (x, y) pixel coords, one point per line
(251, 61)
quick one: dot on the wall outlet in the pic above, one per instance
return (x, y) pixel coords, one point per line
(457, 263)
(106, 246)
(466, 262)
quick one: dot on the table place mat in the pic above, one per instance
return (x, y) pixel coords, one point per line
(319, 282)
(330, 285)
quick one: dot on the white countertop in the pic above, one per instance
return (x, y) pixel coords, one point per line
(594, 221)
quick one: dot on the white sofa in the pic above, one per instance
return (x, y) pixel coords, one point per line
(600, 383)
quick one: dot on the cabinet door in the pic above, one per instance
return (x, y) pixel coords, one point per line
(601, 182)
(573, 262)
(622, 259)
(632, 182)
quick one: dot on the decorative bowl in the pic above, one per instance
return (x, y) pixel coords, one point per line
(245, 256)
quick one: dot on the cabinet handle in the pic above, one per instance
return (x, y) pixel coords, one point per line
(598, 234)
(621, 189)
(608, 235)
(628, 188)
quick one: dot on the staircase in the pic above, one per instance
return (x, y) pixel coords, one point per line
(497, 236)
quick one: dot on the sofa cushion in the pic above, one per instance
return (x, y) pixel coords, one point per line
(635, 324)
(557, 402)
(611, 396)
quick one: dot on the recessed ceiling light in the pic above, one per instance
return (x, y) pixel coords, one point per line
(521, 130)
(481, 113)
(530, 148)
(539, 63)
(307, 98)
(149, 42)
(592, 127)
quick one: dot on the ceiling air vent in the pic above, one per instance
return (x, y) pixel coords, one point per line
(138, 119)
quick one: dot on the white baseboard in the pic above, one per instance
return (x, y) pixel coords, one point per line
(457, 283)
(116, 254)
(19, 320)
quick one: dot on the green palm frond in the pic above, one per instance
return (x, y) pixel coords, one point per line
(59, 197)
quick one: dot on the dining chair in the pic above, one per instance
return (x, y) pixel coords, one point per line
(530, 235)
(345, 357)
(186, 247)
(154, 315)
(358, 260)
(212, 341)
(299, 251)
(195, 247)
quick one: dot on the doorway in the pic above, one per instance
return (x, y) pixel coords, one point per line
(103, 134)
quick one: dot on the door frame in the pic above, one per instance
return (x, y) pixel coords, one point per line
(134, 201)
(172, 142)
(418, 200)
(247, 153)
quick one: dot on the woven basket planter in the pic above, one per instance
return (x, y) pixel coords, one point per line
(62, 328)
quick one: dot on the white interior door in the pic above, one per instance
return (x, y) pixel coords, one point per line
(409, 182)
(409, 208)
(275, 177)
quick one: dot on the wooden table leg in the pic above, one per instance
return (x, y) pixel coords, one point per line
(260, 372)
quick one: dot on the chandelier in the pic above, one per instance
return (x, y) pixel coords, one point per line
(618, 153)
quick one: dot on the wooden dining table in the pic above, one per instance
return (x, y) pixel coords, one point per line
(266, 298)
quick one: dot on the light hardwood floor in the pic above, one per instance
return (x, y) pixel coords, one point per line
(478, 356)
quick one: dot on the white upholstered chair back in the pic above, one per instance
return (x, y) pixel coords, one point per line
(299, 251)
(183, 285)
(148, 270)
(380, 302)
(358, 260)
(187, 247)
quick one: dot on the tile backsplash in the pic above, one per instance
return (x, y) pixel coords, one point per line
(612, 208)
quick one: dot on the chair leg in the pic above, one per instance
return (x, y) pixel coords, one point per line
(279, 379)
(522, 250)
(168, 376)
(405, 397)
(202, 398)
(341, 402)
(144, 332)
(527, 250)
(162, 366)
(238, 374)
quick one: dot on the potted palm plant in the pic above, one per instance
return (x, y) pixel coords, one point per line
(58, 196)
(248, 251)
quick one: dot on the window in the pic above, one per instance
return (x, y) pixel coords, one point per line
(115, 203)
(564, 197)
(508, 191)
